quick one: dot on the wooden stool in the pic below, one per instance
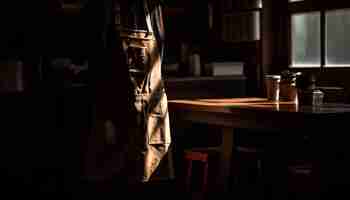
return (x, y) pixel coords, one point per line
(191, 156)
(254, 152)
(302, 177)
(247, 171)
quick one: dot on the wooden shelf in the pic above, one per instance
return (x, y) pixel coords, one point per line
(242, 10)
(173, 11)
(203, 78)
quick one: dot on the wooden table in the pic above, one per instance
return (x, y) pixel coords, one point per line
(255, 113)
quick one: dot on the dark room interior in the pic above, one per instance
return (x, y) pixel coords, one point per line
(194, 99)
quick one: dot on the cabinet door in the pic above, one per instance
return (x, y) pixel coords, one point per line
(241, 26)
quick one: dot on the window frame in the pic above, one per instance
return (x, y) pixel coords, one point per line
(308, 6)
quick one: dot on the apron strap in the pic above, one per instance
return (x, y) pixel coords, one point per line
(149, 30)
(148, 16)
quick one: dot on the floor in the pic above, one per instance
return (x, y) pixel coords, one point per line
(51, 187)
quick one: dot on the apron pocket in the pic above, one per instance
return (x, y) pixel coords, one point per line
(155, 129)
(158, 128)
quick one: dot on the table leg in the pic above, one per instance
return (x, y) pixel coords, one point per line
(225, 157)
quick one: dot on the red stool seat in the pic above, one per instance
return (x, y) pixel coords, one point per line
(202, 157)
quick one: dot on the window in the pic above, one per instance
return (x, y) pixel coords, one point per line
(319, 34)
(337, 38)
(306, 40)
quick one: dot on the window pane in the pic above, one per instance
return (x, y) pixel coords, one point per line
(306, 40)
(337, 37)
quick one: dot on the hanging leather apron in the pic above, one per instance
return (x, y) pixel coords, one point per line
(131, 134)
(148, 130)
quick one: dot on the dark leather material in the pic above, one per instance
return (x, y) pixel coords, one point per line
(131, 114)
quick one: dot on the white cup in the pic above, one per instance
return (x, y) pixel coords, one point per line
(272, 85)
